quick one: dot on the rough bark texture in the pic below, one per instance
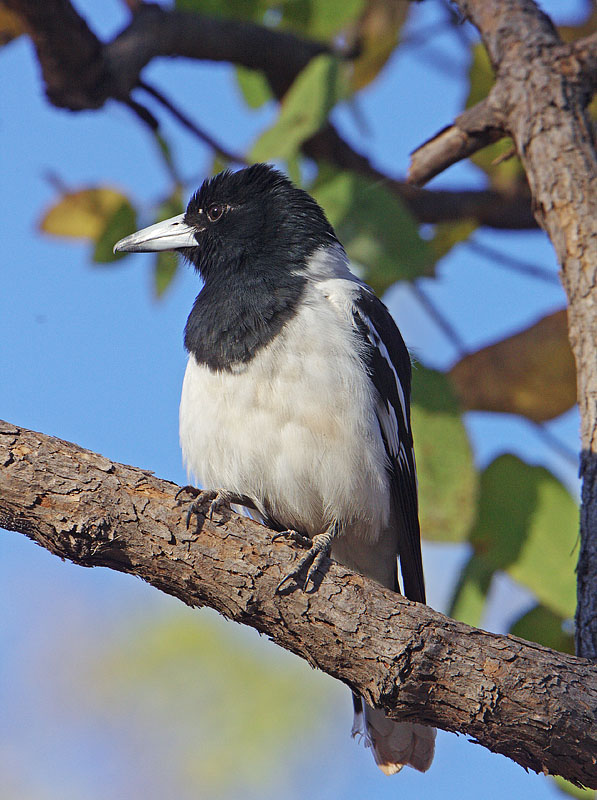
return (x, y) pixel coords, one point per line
(541, 92)
(471, 131)
(520, 699)
(112, 71)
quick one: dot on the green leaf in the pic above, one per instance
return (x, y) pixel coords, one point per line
(304, 110)
(166, 265)
(481, 76)
(219, 164)
(448, 234)
(531, 373)
(171, 207)
(501, 164)
(544, 626)
(122, 222)
(470, 594)
(293, 169)
(446, 472)
(166, 155)
(254, 87)
(320, 20)
(376, 228)
(503, 172)
(527, 525)
(572, 790)
(233, 9)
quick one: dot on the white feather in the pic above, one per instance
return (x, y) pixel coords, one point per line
(254, 430)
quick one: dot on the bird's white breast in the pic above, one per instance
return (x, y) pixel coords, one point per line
(294, 428)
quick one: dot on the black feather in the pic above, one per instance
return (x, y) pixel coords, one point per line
(388, 362)
(252, 260)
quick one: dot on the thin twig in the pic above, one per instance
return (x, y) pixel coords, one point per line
(192, 126)
(440, 320)
(143, 113)
(512, 263)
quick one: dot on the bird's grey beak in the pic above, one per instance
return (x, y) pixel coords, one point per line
(171, 234)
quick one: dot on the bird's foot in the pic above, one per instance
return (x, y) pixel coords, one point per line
(319, 548)
(294, 536)
(218, 499)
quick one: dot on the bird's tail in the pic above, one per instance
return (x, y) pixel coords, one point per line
(394, 744)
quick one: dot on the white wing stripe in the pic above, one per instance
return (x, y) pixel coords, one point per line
(389, 426)
(403, 457)
(378, 342)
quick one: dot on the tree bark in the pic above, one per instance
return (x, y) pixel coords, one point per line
(520, 699)
(540, 96)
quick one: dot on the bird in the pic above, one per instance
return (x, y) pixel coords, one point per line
(296, 396)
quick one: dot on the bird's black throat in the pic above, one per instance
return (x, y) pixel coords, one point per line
(254, 259)
(229, 324)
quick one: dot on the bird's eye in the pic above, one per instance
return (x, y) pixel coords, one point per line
(214, 212)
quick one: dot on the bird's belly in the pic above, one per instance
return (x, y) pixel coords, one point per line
(285, 433)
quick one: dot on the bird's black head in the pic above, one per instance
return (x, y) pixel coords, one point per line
(253, 221)
(251, 235)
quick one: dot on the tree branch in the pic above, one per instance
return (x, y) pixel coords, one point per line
(187, 122)
(520, 699)
(473, 130)
(112, 70)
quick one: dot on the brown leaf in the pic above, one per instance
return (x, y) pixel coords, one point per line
(530, 373)
(11, 25)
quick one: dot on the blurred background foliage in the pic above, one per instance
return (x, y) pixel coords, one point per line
(512, 517)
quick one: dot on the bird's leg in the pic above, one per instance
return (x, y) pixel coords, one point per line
(321, 544)
(217, 498)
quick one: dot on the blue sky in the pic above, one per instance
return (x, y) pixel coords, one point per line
(88, 355)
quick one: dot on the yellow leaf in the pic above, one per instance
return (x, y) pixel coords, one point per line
(83, 214)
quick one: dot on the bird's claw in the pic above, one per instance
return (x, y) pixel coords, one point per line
(320, 546)
(217, 499)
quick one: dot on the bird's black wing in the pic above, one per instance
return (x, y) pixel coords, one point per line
(388, 364)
